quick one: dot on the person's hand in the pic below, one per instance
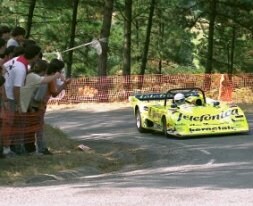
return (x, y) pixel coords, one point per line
(57, 75)
(2, 61)
(62, 77)
(18, 108)
(5, 104)
(2, 80)
(67, 81)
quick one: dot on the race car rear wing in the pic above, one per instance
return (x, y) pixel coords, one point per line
(188, 92)
(153, 96)
(169, 95)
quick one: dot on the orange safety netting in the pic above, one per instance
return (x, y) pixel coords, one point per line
(119, 88)
(20, 128)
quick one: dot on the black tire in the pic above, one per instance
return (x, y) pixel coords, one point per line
(164, 124)
(139, 122)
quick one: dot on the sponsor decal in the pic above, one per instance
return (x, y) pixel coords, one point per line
(208, 117)
(218, 128)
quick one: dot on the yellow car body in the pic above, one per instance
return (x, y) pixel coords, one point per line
(199, 116)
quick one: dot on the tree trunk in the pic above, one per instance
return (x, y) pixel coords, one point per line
(147, 41)
(209, 64)
(30, 18)
(72, 37)
(127, 38)
(160, 66)
(231, 65)
(127, 46)
(160, 39)
(105, 33)
(104, 83)
(212, 17)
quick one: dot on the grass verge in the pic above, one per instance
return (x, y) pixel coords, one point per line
(17, 170)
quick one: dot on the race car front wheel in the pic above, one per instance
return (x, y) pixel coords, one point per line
(164, 124)
(139, 122)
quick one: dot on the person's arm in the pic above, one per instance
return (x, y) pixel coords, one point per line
(3, 69)
(54, 90)
(2, 80)
(18, 82)
(16, 92)
(3, 94)
(50, 78)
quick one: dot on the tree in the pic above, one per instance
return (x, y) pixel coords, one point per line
(147, 41)
(72, 36)
(105, 33)
(182, 35)
(127, 38)
(30, 18)
(212, 16)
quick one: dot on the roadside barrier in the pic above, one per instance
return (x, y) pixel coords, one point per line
(20, 129)
(119, 88)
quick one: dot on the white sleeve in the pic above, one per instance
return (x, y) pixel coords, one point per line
(20, 75)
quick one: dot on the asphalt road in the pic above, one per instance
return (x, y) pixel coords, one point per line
(196, 171)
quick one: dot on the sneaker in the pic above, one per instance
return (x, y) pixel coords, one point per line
(2, 156)
(19, 149)
(9, 154)
(46, 152)
(35, 153)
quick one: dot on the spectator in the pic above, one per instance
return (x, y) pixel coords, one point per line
(33, 80)
(52, 89)
(17, 37)
(8, 54)
(2, 52)
(27, 42)
(56, 87)
(2, 80)
(18, 50)
(2, 47)
(5, 32)
(15, 71)
(2, 61)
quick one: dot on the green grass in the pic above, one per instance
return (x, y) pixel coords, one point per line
(66, 156)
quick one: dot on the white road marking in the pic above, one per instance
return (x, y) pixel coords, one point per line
(205, 152)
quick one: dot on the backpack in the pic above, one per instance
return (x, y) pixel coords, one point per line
(38, 97)
(40, 93)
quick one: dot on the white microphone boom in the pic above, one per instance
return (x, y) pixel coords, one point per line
(94, 44)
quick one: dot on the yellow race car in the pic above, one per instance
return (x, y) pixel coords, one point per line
(186, 112)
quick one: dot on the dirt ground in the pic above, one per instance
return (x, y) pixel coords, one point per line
(90, 106)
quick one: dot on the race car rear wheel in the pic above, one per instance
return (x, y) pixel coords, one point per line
(139, 122)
